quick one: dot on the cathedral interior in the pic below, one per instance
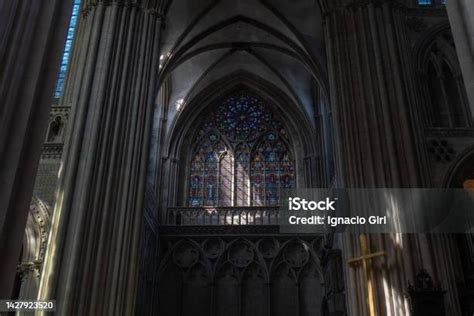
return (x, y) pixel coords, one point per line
(150, 172)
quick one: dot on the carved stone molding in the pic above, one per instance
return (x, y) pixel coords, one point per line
(218, 230)
(288, 267)
(60, 110)
(440, 150)
(333, 6)
(35, 240)
(41, 223)
(153, 7)
(450, 132)
(52, 151)
(239, 252)
(27, 269)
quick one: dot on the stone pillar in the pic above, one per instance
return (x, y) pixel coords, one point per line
(92, 262)
(369, 95)
(378, 136)
(461, 14)
(32, 35)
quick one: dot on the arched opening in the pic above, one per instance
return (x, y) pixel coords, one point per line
(55, 130)
(243, 155)
(34, 249)
(297, 283)
(445, 102)
(235, 125)
(241, 277)
(461, 174)
(239, 143)
(184, 281)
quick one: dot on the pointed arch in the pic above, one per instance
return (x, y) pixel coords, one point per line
(186, 125)
(297, 49)
(240, 125)
(441, 82)
(461, 170)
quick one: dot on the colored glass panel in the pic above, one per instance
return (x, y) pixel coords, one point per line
(242, 173)
(244, 158)
(67, 49)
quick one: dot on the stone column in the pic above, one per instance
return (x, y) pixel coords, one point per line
(378, 137)
(371, 101)
(92, 262)
(461, 13)
(32, 35)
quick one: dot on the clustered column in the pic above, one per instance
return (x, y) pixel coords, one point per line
(378, 139)
(91, 265)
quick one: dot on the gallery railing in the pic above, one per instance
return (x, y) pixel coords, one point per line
(213, 216)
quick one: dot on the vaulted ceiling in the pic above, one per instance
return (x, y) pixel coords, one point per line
(280, 41)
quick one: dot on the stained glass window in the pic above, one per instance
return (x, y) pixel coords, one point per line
(243, 156)
(67, 49)
(197, 181)
(242, 172)
(258, 180)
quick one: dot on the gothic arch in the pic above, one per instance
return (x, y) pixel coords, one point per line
(241, 253)
(295, 120)
(297, 280)
(309, 256)
(248, 276)
(184, 254)
(184, 278)
(427, 40)
(36, 233)
(441, 86)
(461, 170)
(55, 129)
(294, 42)
(34, 248)
(241, 277)
(182, 54)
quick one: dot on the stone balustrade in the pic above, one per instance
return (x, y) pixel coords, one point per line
(221, 216)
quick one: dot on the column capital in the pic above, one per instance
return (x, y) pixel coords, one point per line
(29, 268)
(153, 7)
(332, 6)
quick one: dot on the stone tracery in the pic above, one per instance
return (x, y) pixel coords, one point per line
(242, 277)
(242, 158)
